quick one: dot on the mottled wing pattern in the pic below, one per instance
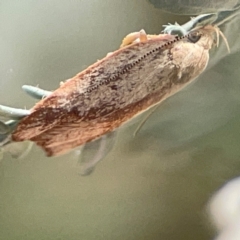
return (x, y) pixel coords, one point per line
(62, 138)
(112, 91)
(80, 98)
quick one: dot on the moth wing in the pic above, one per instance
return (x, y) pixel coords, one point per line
(62, 139)
(55, 108)
(93, 152)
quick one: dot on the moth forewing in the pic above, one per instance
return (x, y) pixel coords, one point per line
(115, 89)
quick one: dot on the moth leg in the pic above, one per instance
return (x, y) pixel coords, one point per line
(18, 113)
(4, 128)
(8, 127)
(13, 113)
(93, 152)
(133, 37)
(5, 138)
(18, 150)
(151, 111)
(36, 92)
(201, 20)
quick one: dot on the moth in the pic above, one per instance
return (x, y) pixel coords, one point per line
(146, 70)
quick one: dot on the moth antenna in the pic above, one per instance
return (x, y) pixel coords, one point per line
(145, 120)
(217, 30)
(225, 40)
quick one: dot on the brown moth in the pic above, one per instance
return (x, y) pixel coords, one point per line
(141, 74)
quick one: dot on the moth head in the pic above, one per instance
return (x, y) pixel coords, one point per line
(206, 36)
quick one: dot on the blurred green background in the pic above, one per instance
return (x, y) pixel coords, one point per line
(153, 186)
